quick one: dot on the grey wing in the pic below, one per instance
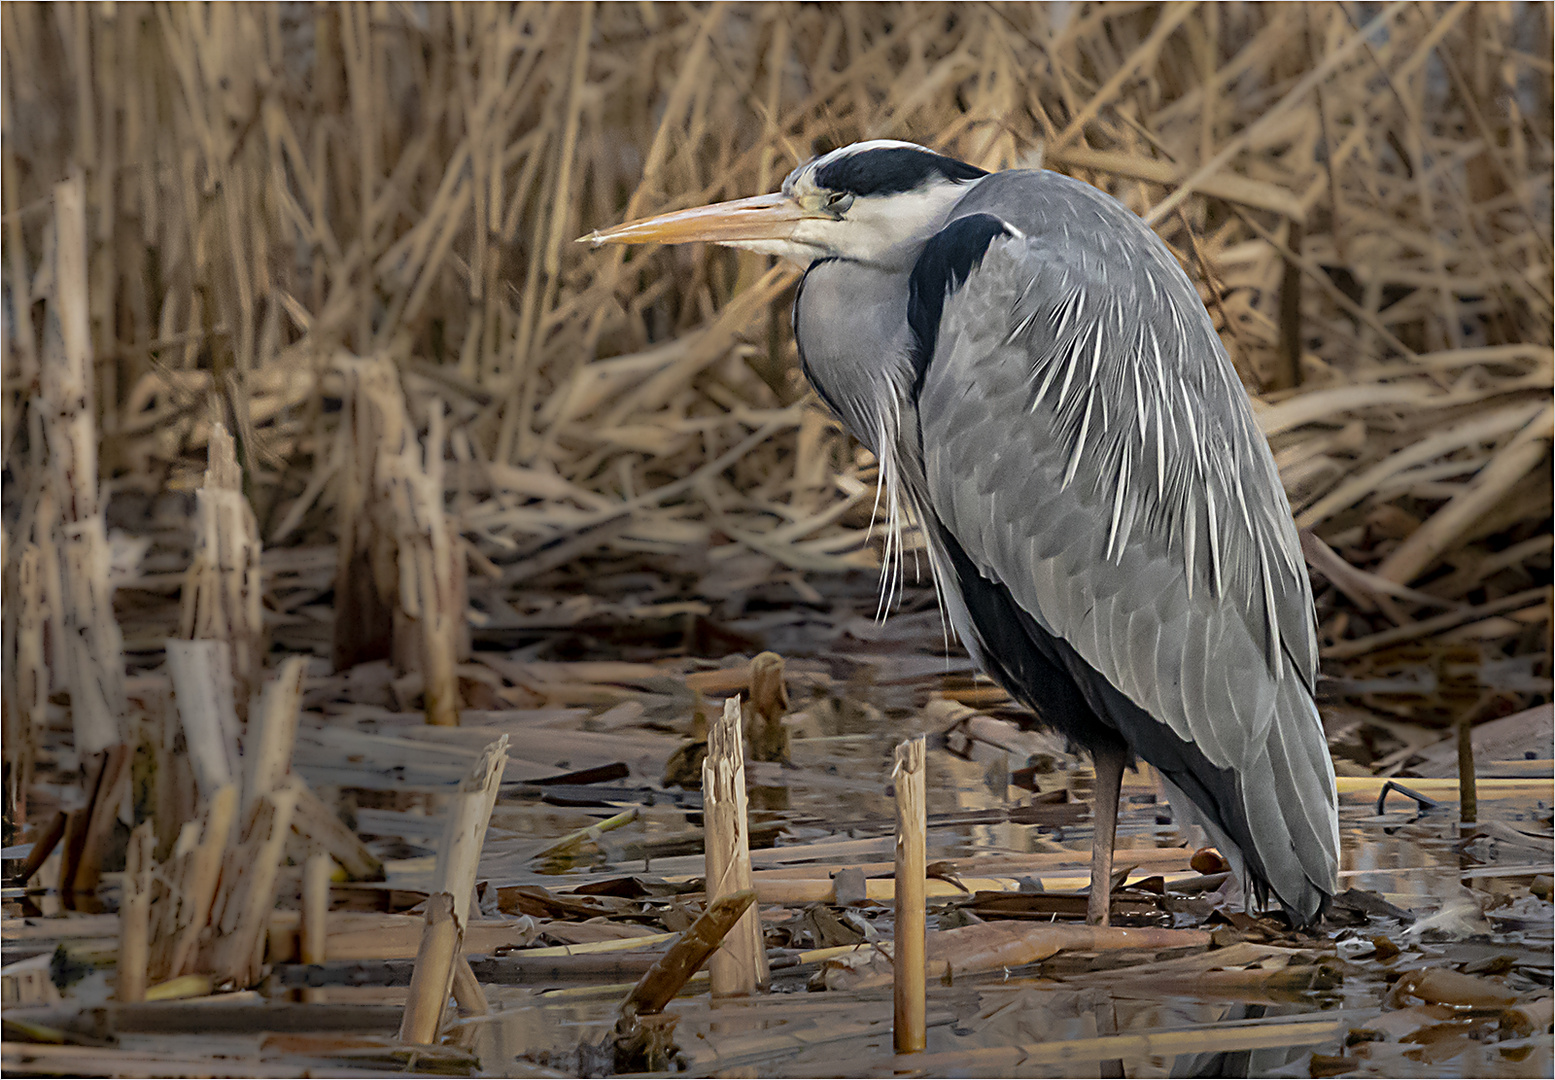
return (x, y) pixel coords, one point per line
(1087, 444)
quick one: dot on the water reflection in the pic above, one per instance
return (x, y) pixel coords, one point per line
(1414, 860)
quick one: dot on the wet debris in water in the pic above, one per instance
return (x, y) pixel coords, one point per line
(590, 876)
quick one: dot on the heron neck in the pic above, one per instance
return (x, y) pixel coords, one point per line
(850, 323)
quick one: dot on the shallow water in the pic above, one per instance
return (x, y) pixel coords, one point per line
(1413, 859)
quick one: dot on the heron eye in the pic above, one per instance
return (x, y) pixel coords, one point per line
(839, 202)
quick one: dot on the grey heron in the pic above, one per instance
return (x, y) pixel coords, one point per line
(1048, 399)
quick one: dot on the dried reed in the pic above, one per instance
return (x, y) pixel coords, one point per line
(215, 201)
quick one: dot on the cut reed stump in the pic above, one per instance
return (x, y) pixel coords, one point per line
(453, 894)
(166, 789)
(89, 830)
(1468, 794)
(193, 875)
(372, 417)
(312, 941)
(240, 915)
(400, 585)
(26, 675)
(272, 733)
(221, 597)
(909, 1032)
(768, 704)
(272, 736)
(135, 917)
(740, 967)
(433, 976)
(432, 588)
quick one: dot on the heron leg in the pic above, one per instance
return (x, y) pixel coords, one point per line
(1109, 762)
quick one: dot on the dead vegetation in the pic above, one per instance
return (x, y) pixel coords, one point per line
(322, 440)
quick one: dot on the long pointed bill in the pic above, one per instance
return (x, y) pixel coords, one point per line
(761, 217)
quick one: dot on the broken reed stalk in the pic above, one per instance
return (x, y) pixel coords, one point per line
(909, 1031)
(134, 961)
(90, 652)
(321, 826)
(1468, 796)
(196, 882)
(685, 958)
(452, 897)
(768, 704)
(173, 799)
(464, 834)
(578, 837)
(85, 853)
(432, 978)
(372, 417)
(248, 869)
(240, 915)
(740, 967)
(52, 576)
(400, 580)
(27, 675)
(43, 847)
(203, 688)
(468, 994)
(76, 822)
(432, 587)
(312, 940)
(221, 596)
(272, 733)
(1465, 510)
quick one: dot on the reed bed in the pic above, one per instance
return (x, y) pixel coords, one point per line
(273, 192)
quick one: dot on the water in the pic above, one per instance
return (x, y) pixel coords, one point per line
(1010, 1024)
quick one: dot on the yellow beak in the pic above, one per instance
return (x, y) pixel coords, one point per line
(761, 217)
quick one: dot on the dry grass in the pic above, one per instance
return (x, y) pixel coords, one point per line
(1366, 211)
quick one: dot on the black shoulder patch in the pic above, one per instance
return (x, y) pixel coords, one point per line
(891, 170)
(947, 259)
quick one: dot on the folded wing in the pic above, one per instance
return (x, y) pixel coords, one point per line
(1087, 447)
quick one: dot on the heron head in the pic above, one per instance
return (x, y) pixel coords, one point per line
(873, 202)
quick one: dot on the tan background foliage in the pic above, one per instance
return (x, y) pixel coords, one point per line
(1364, 205)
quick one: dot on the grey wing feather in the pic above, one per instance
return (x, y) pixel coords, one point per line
(1139, 515)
